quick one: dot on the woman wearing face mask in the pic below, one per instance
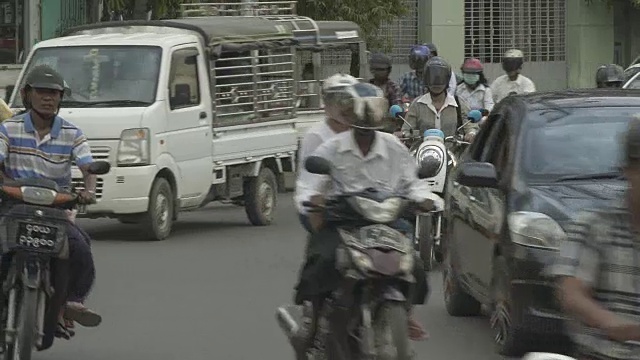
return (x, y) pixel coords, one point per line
(473, 92)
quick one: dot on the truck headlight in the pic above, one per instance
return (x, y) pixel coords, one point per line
(133, 149)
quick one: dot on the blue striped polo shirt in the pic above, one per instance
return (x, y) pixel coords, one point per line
(26, 156)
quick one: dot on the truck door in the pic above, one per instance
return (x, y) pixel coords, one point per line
(189, 122)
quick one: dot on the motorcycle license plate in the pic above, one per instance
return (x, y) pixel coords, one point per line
(37, 237)
(382, 236)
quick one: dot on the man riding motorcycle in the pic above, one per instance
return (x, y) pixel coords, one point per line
(437, 109)
(317, 135)
(610, 76)
(512, 82)
(453, 83)
(361, 158)
(411, 83)
(40, 144)
(380, 66)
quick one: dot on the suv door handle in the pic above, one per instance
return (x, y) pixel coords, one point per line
(203, 115)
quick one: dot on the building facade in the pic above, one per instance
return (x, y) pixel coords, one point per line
(564, 41)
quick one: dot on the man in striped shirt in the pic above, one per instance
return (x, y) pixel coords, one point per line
(598, 270)
(40, 144)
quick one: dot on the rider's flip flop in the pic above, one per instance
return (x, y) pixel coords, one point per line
(84, 317)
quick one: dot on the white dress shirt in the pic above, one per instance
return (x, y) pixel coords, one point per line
(387, 167)
(502, 86)
(315, 136)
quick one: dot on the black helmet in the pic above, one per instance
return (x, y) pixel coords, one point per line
(611, 74)
(432, 47)
(437, 72)
(512, 60)
(379, 60)
(44, 77)
(418, 56)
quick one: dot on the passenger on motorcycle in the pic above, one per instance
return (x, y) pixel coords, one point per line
(380, 66)
(610, 76)
(474, 92)
(437, 109)
(335, 122)
(411, 83)
(453, 82)
(39, 143)
(512, 82)
(361, 158)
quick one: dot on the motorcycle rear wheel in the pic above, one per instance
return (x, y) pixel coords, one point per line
(22, 347)
(392, 333)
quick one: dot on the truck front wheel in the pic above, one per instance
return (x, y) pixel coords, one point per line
(260, 197)
(158, 220)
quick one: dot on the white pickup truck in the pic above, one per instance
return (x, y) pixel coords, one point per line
(187, 111)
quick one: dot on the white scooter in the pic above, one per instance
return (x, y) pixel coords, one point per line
(435, 159)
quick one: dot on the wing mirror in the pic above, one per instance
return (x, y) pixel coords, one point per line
(99, 167)
(317, 165)
(477, 174)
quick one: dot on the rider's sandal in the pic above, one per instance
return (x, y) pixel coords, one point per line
(63, 332)
(84, 317)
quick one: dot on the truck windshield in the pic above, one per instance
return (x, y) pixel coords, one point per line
(103, 75)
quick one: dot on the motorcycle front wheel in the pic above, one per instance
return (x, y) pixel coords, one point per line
(27, 309)
(392, 333)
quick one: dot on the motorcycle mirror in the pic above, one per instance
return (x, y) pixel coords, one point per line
(474, 116)
(99, 167)
(317, 165)
(395, 110)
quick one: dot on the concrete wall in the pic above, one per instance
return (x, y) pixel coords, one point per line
(626, 32)
(589, 40)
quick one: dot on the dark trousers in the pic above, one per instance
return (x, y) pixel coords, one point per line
(82, 268)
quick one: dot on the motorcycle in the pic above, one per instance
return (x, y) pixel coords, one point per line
(376, 263)
(34, 289)
(436, 156)
(546, 356)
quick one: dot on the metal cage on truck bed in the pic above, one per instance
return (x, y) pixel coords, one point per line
(251, 63)
(323, 47)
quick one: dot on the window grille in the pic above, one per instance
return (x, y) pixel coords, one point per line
(402, 33)
(537, 27)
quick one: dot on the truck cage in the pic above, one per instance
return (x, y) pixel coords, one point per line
(313, 39)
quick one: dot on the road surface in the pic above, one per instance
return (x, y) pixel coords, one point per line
(209, 292)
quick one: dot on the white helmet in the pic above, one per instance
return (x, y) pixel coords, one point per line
(359, 105)
(338, 81)
(512, 60)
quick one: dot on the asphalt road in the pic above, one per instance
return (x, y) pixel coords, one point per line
(210, 291)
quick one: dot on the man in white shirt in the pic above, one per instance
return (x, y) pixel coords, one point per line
(334, 123)
(512, 82)
(361, 158)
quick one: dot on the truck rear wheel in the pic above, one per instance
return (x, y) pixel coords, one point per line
(158, 220)
(260, 197)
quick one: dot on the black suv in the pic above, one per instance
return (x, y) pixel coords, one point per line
(539, 159)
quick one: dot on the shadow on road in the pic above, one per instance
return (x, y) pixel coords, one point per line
(117, 232)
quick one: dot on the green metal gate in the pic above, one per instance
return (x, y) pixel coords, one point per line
(59, 15)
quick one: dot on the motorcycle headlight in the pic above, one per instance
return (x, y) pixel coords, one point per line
(360, 260)
(535, 230)
(379, 212)
(406, 263)
(430, 161)
(38, 196)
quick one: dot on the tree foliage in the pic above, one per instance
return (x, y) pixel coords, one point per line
(368, 14)
(137, 9)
